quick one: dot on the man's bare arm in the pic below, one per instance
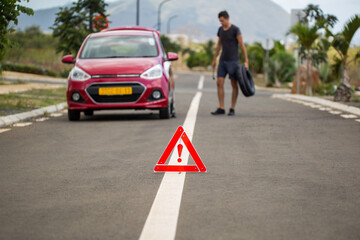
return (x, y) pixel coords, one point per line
(218, 47)
(243, 49)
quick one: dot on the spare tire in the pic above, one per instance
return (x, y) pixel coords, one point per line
(245, 80)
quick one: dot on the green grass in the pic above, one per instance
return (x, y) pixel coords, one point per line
(37, 98)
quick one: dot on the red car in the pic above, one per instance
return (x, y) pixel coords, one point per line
(121, 68)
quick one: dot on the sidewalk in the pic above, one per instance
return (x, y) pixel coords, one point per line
(323, 102)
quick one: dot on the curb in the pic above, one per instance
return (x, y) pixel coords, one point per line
(327, 103)
(272, 89)
(11, 119)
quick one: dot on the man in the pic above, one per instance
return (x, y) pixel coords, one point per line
(229, 39)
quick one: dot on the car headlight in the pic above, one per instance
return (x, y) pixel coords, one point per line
(78, 74)
(153, 73)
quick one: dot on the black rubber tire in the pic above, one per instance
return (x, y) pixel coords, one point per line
(172, 109)
(73, 115)
(165, 113)
(245, 80)
(89, 113)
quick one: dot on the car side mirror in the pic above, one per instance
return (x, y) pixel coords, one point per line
(172, 56)
(68, 59)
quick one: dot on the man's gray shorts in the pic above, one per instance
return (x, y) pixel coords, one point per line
(227, 67)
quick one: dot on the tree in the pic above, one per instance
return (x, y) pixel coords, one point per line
(91, 8)
(313, 13)
(307, 35)
(10, 11)
(308, 31)
(169, 45)
(70, 29)
(73, 24)
(341, 43)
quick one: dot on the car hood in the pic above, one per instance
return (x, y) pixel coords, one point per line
(116, 66)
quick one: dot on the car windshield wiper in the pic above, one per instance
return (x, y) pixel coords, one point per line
(118, 57)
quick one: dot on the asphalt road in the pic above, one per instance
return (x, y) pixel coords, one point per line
(276, 170)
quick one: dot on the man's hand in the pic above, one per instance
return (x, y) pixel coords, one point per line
(246, 65)
(213, 63)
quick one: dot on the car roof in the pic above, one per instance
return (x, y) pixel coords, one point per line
(121, 33)
(131, 28)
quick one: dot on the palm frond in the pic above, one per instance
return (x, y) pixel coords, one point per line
(350, 28)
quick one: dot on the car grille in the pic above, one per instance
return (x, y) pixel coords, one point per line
(137, 91)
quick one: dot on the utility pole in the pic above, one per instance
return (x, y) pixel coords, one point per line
(169, 21)
(159, 13)
(267, 45)
(137, 12)
(298, 72)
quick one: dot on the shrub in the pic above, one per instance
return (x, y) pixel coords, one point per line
(65, 73)
(327, 89)
(198, 59)
(7, 66)
(282, 67)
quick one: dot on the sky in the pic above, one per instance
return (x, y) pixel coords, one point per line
(343, 9)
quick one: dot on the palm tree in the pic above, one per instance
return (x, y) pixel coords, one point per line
(307, 35)
(341, 44)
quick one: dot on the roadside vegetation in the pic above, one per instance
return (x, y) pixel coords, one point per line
(13, 103)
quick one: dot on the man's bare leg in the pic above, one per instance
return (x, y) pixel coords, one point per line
(220, 89)
(235, 93)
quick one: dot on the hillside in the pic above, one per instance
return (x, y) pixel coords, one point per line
(257, 19)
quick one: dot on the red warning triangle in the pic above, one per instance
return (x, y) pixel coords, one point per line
(161, 167)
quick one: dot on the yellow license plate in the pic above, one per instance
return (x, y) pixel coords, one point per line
(115, 91)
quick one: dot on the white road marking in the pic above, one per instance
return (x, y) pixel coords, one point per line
(324, 109)
(335, 112)
(358, 120)
(4, 130)
(348, 116)
(315, 106)
(56, 115)
(306, 103)
(23, 124)
(201, 82)
(42, 119)
(162, 220)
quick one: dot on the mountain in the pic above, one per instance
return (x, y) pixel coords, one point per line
(257, 19)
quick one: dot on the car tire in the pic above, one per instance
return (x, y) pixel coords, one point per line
(165, 113)
(73, 115)
(245, 80)
(89, 113)
(172, 109)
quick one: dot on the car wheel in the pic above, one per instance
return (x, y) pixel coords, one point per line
(172, 109)
(74, 115)
(89, 113)
(165, 113)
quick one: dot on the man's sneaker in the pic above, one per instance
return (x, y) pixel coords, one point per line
(231, 112)
(218, 111)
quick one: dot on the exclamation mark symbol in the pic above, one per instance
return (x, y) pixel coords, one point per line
(180, 148)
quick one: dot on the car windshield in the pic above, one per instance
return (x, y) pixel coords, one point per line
(120, 47)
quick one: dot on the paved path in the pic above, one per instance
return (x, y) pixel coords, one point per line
(276, 170)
